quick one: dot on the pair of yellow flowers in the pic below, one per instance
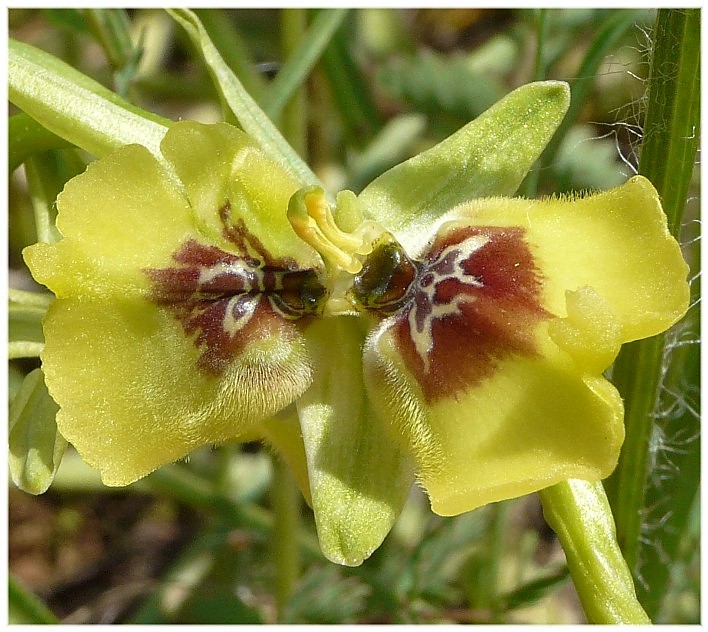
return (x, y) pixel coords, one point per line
(427, 329)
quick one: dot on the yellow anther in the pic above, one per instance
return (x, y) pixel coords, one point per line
(311, 218)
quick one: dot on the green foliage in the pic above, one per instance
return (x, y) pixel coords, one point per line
(448, 89)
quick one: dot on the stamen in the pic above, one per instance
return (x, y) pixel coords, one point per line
(311, 218)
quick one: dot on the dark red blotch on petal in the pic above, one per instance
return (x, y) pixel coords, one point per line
(225, 300)
(483, 308)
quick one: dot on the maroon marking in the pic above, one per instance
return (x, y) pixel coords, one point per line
(496, 323)
(226, 301)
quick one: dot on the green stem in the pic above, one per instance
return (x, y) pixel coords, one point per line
(667, 159)
(539, 73)
(286, 511)
(284, 493)
(580, 515)
(496, 546)
(23, 349)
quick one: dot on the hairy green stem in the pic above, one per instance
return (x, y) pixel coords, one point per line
(667, 159)
(580, 515)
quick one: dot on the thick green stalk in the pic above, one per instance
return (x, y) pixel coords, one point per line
(579, 514)
(667, 159)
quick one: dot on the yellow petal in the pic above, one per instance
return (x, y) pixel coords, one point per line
(161, 340)
(491, 371)
(120, 216)
(615, 242)
(531, 422)
(131, 396)
(228, 180)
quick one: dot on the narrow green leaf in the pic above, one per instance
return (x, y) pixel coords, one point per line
(351, 91)
(667, 159)
(298, 66)
(70, 19)
(579, 514)
(489, 156)
(250, 117)
(75, 107)
(24, 607)
(111, 27)
(228, 41)
(36, 447)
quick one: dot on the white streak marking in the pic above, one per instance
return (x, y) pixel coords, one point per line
(460, 252)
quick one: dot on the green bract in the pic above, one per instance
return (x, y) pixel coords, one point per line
(428, 329)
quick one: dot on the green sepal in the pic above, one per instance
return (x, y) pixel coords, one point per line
(36, 447)
(488, 157)
(248, 114)
(359, 478)
(75, 107)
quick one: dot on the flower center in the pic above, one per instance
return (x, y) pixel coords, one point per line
(367, 269)
(383, 285)
(311, 218)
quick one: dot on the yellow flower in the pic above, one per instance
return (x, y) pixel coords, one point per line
(427, 328)
(152, 348)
